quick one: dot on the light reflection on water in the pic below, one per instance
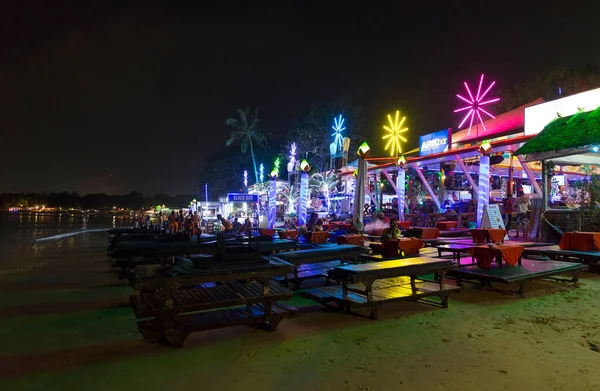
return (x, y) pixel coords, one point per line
(19, 231)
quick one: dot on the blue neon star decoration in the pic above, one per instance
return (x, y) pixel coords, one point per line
(338, 127)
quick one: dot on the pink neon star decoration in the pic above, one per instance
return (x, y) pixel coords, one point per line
(475, 105)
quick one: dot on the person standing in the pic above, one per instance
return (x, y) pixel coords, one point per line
(391, 232)
(509, 209)
(227, 227)
(523, 206)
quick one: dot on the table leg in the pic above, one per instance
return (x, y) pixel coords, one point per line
(413, 285)
(267, 303)
(442, 275)
(499, 259)
(372, 305)
(439, 252)
(519, 262)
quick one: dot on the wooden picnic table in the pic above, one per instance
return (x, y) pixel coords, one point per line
(480, 235)
(367, 274)
(356, 240)
(456, 249)
(129, 255)
(446, 225)
(430, 233)
(404, 225)
(580, 241)
(322, 253)
(173, 301)
(485, 255)
(394, 247)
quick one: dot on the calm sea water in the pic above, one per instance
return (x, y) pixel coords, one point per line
(26, 239)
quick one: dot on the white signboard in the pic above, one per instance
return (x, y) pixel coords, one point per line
(538, 116)
(492, 218)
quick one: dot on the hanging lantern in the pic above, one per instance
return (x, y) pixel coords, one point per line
(346, 144)
(401, 161)
(485, 147)
(304, 166)
(364, 151)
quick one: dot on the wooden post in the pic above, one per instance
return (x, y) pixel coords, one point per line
(442, 190)
(400, 189)
(428, 187)
(483, 197)
(465, 169)
(543, 233)
(511, 173)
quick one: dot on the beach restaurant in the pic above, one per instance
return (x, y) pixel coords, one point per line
(483, 156)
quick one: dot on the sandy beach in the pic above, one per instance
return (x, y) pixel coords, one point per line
(67, 325)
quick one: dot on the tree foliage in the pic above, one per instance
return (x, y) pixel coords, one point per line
(569, 80)
(247, 134)
(312, 133)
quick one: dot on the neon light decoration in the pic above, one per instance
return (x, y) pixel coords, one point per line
(303, 201)
(261, 171)
(483, 198)
(245, 178)
(474, 105)
(276, 165)
(338, 127)
(293, 155)
(395, 130)
(272, 202)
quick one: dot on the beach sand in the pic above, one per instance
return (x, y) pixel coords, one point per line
(66, 325)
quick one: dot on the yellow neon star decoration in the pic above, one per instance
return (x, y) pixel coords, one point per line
(395, 130)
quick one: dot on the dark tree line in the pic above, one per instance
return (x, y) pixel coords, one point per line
(132, 200)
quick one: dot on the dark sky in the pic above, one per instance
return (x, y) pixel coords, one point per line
(114, 96)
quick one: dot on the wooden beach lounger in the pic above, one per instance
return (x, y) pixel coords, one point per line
(323, 257)
(371, 284)
(167, 307)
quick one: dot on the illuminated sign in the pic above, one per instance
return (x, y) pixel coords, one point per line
(242, 197)
(537, 117)
(558, 180)
(223, 200)
(435, 142)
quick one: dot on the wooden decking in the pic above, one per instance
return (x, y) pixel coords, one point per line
(555, 253)
(202, 299)
(153, 304)
(520, 275)
(390, 289)
(369, 285)
(181, 326)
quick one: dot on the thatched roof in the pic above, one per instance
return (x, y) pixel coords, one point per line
(575, 131)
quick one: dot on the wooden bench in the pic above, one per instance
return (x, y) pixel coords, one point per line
(555, 253)
(167, 306)
(320, 254)
(128, 255)
(456, 249)
(371, 284)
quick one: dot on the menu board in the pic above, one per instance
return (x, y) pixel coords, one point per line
(492, 218)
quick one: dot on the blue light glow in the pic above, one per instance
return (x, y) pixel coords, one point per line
(261, 174)
(245, 178)
(338, 127)
(595, 149)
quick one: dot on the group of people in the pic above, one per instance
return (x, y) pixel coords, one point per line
(176, 222)
(235, 227)
(521, 206)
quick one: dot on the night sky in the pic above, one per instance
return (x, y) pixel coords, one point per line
(115, 96)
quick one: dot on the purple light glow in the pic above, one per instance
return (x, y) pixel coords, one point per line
(474, 105)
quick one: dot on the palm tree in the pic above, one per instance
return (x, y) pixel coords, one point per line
(324, 183)
(247, 133)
